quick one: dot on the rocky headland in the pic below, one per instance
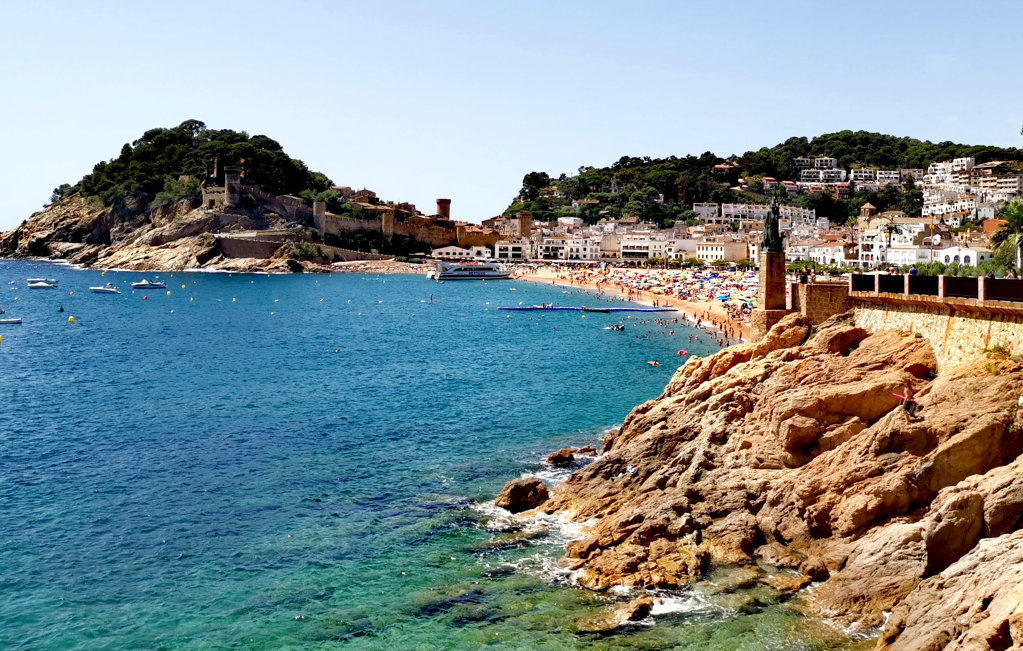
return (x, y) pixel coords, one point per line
(793, 458)
(171, 237)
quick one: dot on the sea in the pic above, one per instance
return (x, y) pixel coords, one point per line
(252, 461)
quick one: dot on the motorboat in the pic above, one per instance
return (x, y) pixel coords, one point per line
(48, 281)
(105, 289)
(10, 321)
(482, 271)
(39, 284)
(149, 284)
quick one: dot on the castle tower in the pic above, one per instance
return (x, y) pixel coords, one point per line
(771, 293)
(444, 208)
(232, 186)
(525, 220)
(387, 223)
(319, 214)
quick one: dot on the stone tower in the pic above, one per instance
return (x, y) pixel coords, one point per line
(771, 294)
(444, 208)
(232, 186)
(525, 220)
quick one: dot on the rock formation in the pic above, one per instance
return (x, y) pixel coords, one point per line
(522, 494)
(173, 237)
(794, 452)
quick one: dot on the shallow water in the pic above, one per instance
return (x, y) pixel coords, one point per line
(290, 461)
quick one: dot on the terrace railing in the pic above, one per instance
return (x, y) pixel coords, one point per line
(941, 287)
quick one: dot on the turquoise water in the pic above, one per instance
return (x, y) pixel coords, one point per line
(306, 461)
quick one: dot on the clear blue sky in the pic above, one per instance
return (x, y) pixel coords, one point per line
(419, 100)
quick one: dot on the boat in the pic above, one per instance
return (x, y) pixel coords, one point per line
(38, 284)
(9, 321)
(105, 289)
(149, 284)
(49, 281)
(482, 271)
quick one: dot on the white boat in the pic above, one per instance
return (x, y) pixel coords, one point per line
(9, 321)
(41, 285)
(105, 289)
(48, 281)
(482, 271)
(149, 284)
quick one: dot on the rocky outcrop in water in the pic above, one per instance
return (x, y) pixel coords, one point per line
(793, 453)
(522, 495)
(174, 237)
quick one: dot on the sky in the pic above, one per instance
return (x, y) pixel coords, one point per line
(418, 100)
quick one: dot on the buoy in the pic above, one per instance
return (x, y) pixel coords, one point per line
(683, 352)
(182, 287)
(379, 302)
(145, 298)
(190, 299)
(277, 300)
(172, 312)
(584, 316)
(321, 300)
(71, 293)
(71, 319)
(271, 314)
(168, 292)
(234, 300)
(349, 300)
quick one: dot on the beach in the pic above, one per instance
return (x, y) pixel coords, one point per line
(638, 285)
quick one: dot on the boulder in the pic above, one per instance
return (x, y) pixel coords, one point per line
(561, 458)
(522, 495)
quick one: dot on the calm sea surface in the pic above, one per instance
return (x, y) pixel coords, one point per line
(305, 461)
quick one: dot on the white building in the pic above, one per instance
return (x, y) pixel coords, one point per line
(889, 177)
(864, 174)
(706, 210)
(509, 250)
(833, 253)
(716, 251)
(643, 245)
(962, 255)
(582, 248)
(453, 253)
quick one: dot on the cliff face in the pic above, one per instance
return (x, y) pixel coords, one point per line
(792, 455)
(175, 237)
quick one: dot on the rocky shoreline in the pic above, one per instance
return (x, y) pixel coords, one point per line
(83, 232)
(793, 458)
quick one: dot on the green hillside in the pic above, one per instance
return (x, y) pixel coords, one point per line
(151, 168)
(663, 190)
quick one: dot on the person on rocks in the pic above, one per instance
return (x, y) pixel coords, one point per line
(909, 405)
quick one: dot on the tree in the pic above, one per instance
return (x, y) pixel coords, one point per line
(1011, 233)
(532, 183)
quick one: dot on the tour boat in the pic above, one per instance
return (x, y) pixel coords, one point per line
(149, 284)
(481, 271)
(105, 289)
(39, 284)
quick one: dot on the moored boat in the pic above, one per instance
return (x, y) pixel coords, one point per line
(149, 284)
(480, 271)
(10, 321)
(105, 289)
(39, 284)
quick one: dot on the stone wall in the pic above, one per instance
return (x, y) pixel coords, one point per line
(955, 334)
(820, 301)
(247, 247)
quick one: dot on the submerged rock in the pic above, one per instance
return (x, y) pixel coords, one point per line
(522, 495)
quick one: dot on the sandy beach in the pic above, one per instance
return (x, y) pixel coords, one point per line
(710, 314)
